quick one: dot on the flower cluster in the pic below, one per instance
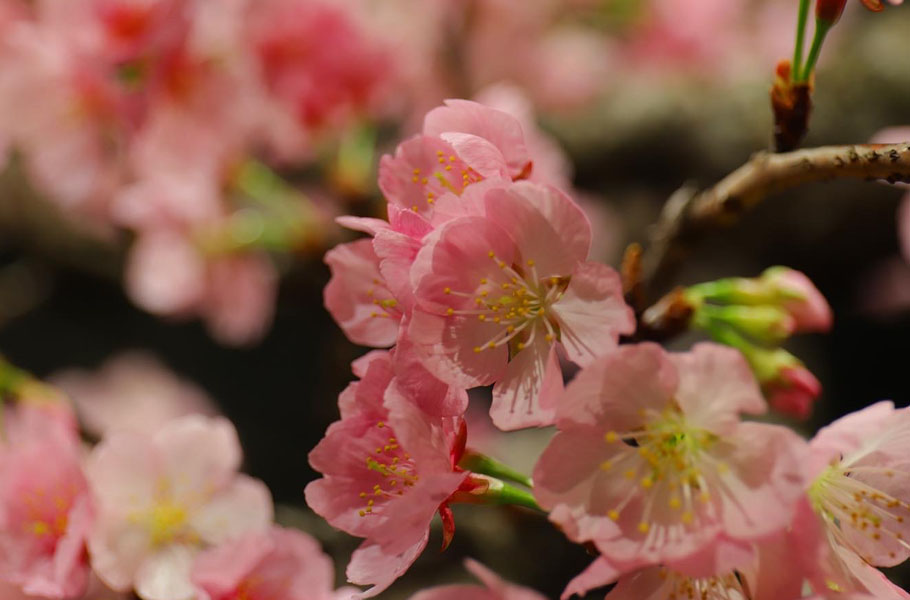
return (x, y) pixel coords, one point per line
(160, 511)
(480, 277)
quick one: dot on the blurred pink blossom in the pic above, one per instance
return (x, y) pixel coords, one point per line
(164, 496)
(278, 563)
(132, 391)
(45, 506)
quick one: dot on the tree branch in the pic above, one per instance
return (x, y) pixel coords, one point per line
(689, 214)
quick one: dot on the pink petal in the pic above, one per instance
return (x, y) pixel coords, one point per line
(352, 294)
(432, 395)
(221, 569)
(592, 313)
(547, 226)
(478, 153)
(197, 453)
(598, 574)
(715, 386)
(166, 575)
(613, 390)
(525, 395)
(371, 565)
(246, 505)
(165, 274)
(499, 128)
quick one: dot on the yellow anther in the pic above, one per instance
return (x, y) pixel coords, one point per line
(613, 514)
(629, 474)
(363, 494)
(424, 181)
(380, 424)
(646, 482)
(450, 311)
(675, 502)
(362, 513)
(447, 290)
(643, 527)
(415, 208)
(415, 179)
(481, 317)
(477, 349)
(687, 517)
(520, 345)
(606, 465)
(611, 437)
(491, 254)
(530, 262)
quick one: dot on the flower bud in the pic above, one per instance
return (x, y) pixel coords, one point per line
(786, 382)
(830, 10)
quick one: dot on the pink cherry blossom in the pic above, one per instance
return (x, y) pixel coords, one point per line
(61, 113)
(493, 588)
(860, 493)
(318, 60)
(497, 294)
(45, 506)
(489, 141)
(132, 391)
(163, 497)
(652, 464)
(358, 297)
(387, 468)
(278, 563)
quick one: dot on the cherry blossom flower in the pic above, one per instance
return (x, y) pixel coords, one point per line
(319, 61)
(358, 297)
(497, 294)
(278, 563)
(132, 391)
(163, 497)
(387, 468)
(493, 588)
(45, 505)
(859, 493)
(652, 464)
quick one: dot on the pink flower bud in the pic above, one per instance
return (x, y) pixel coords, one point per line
(799, 297)
(793, 392)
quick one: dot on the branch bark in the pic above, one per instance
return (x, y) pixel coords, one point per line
(688, 215)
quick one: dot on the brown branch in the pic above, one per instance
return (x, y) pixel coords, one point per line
(688, 214)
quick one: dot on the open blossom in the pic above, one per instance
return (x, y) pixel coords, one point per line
(45, 505)
(161, 498)
(493, 588)
(358, 297)
(497, 294)
(277, 563)
(388, 468)
(652, 464)
(859, 492)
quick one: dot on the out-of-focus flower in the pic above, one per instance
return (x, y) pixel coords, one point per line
(652, 465)
(163, 497)
(132, 391)
(388, 468)
(318, 61)
(45, 505)
(278, 563)
(497, 294)
(493, 588)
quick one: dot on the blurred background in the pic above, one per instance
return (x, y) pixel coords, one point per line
(173, 168)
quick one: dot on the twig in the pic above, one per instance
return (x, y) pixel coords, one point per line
(688, 215)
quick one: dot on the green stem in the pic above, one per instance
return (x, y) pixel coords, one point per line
(821, 30)
(490, 490)
(800, 39)
(481, 463)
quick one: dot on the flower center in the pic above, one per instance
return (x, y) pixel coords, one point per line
(850, 505)
(451, 175)
(392, 468)
(668, 460)
(166, 522)
(386, 306)
(720, 587)
(518, 300)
